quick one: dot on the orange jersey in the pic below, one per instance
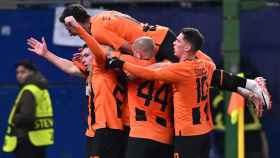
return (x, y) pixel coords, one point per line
(109, 95)
(108, 99)
(114, 28)
(125, 114)
(89, 132)
(191, 81)
(149, 106)
(201, 55)
(125, 107)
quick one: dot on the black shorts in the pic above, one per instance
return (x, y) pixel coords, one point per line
(109, 143)
(166, 48)
(89, 148)
(192, 146)
(126, 130)
(145, 148)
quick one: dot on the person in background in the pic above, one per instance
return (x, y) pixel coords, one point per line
(79, 66)
(30, 123)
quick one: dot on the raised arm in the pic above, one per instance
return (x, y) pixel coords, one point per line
(40, 48)
(94, 46)
(167, 74)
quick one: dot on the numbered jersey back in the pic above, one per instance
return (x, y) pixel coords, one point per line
(192, 113)
(150, 110)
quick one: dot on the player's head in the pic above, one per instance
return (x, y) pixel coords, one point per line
(189, 40)
(24, 69)
(79, 13)
(143, 48)
(86, 57)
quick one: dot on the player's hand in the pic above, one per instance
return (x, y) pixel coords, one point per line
(37, 47)
(114, 63)
(71, 21)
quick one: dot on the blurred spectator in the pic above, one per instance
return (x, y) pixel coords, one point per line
(30, 124)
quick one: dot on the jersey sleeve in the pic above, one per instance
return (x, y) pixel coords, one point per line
(129, 58)
(227, 81)
(93, 45)
(167, 74)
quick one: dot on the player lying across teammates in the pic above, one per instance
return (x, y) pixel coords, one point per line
(155, 86)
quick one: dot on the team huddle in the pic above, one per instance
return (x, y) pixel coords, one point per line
(148, 89)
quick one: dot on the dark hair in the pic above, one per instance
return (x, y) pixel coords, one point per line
(194, 37)
(28, 64)
(77, 11)
(85, 46)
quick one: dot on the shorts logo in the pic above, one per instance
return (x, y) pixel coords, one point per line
(176, 155)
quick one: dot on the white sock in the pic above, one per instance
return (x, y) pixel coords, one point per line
(253, 86)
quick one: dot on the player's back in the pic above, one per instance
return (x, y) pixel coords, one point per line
(192, 114)
(124, 26)
(150, 108)
(109, 96)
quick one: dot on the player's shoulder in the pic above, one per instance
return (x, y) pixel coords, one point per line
(202, 55)
(210, 64)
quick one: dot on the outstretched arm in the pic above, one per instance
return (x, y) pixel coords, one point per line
(167, 74)
(40, 48)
